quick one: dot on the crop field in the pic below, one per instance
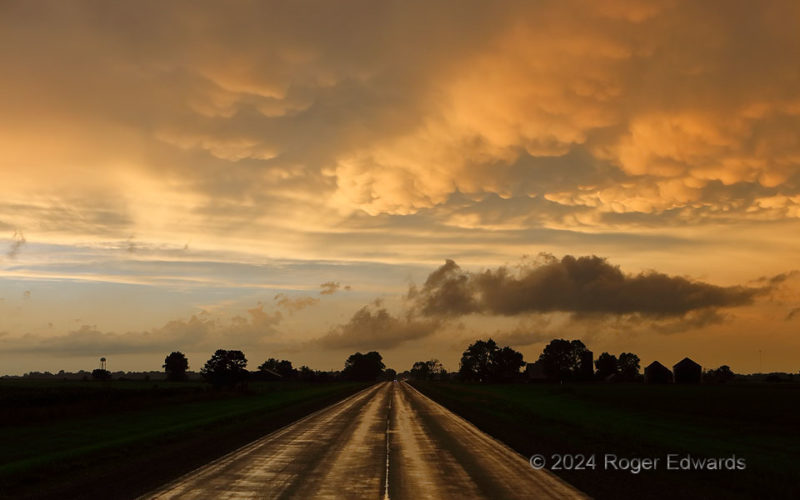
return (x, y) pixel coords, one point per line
(118, 439)
(755, 422)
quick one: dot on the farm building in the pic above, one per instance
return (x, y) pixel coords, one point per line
(586, 367)
(656, 373)
(687, 372)
(535, 371)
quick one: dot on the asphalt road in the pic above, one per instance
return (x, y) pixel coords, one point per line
(386, 442)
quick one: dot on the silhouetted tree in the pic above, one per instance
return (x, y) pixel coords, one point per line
(428, 370)
(225, 368)
(306, 374)
(175, 365)
(476, 361)
(363, 367)
(628, 366)
(507, 363)
(419, 371)
(720, 375)
(100, 374)
(283, 368)
(606, 366)
(561, 359)
(389, 374)
(436, 370)
(484, 361)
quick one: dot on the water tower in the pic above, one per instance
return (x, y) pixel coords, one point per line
(102, 363)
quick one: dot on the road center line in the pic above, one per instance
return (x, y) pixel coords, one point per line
(388, 422)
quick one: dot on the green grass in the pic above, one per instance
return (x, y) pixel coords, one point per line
(56, 429)
(758, 422)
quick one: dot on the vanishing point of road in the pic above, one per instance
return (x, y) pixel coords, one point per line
(386, 442)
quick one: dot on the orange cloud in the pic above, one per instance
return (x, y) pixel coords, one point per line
(273, 109)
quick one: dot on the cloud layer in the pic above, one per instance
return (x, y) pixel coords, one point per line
(200, 332)
(216, 118)
(582, 285)
(589, 289)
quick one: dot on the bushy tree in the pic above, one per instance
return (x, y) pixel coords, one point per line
(419, 371)
(561, 359)
(720, 375)
(628, 366)
(389, 374)
(476, 361)
(506, 365)
(428, 370)
(225, 368)
(484, 361)
(306, 374)
(175, 365)
(283, 368)
(100, 374)
(363, 367)
(606, 365)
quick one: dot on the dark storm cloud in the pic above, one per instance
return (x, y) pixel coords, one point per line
(586, 287)
(582, 285)
(373, 327)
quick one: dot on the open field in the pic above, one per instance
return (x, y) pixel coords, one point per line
(118, 439)
(757, 422)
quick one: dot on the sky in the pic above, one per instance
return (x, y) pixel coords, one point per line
(308, 179)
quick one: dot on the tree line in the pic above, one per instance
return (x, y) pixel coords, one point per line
(560, 361)
(229, 368)
(482, 361)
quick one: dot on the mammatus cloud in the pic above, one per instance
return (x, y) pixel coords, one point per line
(17, 241)
(595, 111)
(583, 285)
(373, 327)
(331, 287)
(612, 82)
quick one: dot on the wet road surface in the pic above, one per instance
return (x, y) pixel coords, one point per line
(386, 442)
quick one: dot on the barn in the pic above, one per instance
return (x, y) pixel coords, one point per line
(535, 371)
(656, 373)
(586, 367)
(687, 372)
